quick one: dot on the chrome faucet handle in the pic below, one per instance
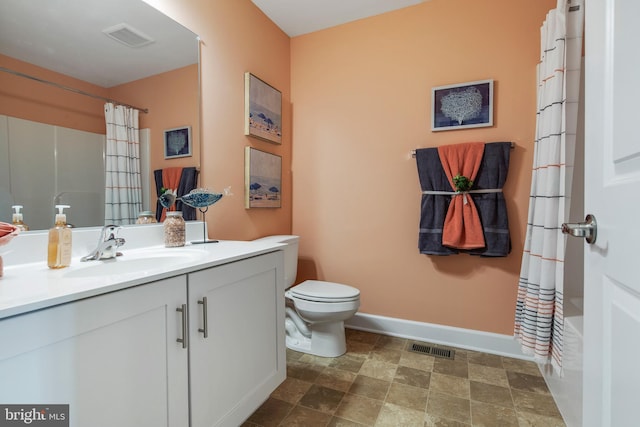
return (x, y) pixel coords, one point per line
(110, 232)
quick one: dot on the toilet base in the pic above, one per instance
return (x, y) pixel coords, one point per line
(327, 340)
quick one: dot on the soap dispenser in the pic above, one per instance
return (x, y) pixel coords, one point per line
(17, 218)
(59, 250)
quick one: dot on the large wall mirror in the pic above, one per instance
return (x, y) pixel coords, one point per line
(52, 139)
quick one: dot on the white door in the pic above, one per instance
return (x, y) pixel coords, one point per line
(612, 187)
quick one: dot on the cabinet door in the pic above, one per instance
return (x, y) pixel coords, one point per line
(242, 360)
(114, 358)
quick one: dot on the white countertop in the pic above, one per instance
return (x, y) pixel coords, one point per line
(31, 286)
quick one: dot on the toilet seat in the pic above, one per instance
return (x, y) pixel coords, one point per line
(321, 291)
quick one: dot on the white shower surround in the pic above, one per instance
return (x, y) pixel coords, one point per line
(46, 165)
(64, 166)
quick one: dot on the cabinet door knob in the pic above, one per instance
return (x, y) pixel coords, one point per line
(205, 330)
(184, 339)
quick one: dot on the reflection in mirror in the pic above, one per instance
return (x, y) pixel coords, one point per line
(52, 140)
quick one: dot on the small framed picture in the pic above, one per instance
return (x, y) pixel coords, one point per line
(262, 179)
(462, 105)
(262, 110)
(177, 142)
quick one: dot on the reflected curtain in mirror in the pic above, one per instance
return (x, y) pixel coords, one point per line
(123, 189)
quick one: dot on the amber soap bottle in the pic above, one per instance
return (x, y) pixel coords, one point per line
(59, 248)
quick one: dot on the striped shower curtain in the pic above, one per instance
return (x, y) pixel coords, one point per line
(539, 321)
(123, 189)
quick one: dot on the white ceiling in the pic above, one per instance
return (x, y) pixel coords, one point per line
(297, 17)
(66, 36)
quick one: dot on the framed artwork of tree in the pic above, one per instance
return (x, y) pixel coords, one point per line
(177, 142)
(262, 179)
(462, 105)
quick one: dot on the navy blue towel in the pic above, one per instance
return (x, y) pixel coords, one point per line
(492, 207)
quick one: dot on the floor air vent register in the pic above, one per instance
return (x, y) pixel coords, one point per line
(444, 353)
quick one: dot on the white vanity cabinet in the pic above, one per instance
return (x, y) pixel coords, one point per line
(116, 358)
(112, 357)
(242, 359)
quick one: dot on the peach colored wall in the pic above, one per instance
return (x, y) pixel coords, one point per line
(236, 37)
(31, 100)
(172, 100)
(361, 97)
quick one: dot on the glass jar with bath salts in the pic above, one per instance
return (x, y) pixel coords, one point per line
(174, 229)
(146, 217)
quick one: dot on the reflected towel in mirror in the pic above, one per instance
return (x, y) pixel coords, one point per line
(181, 179)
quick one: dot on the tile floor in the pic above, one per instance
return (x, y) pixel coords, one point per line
(379, 383)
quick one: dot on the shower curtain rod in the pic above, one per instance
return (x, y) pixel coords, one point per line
(71, 89)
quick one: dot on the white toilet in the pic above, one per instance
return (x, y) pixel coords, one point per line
(316, 326)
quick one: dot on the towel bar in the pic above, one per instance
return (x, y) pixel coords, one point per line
(413, 152)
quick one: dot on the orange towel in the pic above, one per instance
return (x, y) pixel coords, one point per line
(171, 180)
(462, 227)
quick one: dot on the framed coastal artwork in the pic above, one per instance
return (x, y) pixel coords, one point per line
(262, 109)
(462, 105)
(177, 142)
(262, 179)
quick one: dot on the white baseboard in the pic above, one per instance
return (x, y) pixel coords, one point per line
(487, 342)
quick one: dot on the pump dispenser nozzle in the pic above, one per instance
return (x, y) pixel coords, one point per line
(60, 216)
(17, 216)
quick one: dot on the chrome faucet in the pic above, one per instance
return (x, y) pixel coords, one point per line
(108, 244)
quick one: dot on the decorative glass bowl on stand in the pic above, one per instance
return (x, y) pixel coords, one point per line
(201, 199)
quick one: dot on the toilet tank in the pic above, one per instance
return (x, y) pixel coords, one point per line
(290, 255)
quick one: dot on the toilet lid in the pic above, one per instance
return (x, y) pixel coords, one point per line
(318, 290)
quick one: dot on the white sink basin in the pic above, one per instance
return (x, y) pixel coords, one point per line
(138, 261)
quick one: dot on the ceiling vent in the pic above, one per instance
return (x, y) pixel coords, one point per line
(126, 34)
